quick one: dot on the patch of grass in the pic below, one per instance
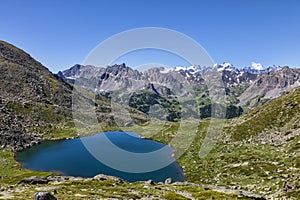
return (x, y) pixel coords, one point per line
(252, 167)
(11, 171)
(173, 196)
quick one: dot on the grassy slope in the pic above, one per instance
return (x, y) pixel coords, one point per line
(11, 173)
(258, 152)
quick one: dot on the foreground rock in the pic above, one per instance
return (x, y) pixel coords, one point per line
(168, 181)
(34, 180)
(102, 177)
(44, 196)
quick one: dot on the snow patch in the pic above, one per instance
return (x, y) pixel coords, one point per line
(180, 68)
(165, 70)
(257, 66)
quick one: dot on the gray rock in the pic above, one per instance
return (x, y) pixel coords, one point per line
(168, 181)
(150, 182)
(288, 186)
(44, 196)
(102, 177)
(34, 180)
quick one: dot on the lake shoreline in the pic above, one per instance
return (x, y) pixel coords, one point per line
(102, 177)
(168, 168)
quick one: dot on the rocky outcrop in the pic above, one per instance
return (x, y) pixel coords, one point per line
(227, 190)
(45, 180)
(34, 180)
(102, 177)
(168, 181)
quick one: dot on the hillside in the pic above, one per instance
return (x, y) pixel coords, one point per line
(36, 104)
(258, 151)
(33, 100)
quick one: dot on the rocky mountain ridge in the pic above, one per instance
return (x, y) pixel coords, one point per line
(247, 87)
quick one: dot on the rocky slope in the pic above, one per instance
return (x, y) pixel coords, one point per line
(270, 85)
(36, 104)
(273, 132)
(32, 99)
(258, 151)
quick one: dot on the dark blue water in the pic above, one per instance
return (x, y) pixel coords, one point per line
(71, 157)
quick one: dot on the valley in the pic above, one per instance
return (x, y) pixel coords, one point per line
(255, 154)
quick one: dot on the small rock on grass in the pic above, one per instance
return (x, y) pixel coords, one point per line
(44, 196)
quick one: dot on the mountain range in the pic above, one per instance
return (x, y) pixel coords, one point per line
(247, 87)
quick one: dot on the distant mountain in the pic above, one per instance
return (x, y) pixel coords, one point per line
(270, 85)
(247, 87)
(118, 77)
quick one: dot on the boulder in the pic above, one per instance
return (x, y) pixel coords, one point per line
(168, 181)
(44, 196)
(102, 177)
(150, 182)
(34, 180)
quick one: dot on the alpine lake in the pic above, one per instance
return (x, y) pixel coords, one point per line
(121, 154)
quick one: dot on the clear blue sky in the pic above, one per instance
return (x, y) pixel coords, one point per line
(60, 33)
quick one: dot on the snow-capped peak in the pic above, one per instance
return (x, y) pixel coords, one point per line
(257, 66)
(165, 70)
(254, 68)
(225, 66)
(178, 68)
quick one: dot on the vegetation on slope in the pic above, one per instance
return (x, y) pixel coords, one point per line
(258, 151)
